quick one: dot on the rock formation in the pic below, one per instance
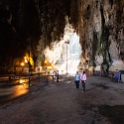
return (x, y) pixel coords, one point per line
(98, 23)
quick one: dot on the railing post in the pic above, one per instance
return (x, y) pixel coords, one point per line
(29, 79)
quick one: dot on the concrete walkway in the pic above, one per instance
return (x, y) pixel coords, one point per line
(62, 103)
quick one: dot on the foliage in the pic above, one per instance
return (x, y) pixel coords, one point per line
(103, 43)
(99, 46)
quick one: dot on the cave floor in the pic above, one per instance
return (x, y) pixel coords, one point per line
(61, 103)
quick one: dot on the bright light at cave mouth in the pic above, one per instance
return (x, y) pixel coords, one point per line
(73, 51)
(64, 55)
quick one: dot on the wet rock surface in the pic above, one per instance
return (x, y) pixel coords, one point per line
(62, 103)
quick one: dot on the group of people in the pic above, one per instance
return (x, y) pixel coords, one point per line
(80, 77)
(55, 74)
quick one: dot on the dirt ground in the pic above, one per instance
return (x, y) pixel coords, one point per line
(62, 103)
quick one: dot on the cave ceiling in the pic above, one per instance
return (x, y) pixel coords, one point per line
(99, 23)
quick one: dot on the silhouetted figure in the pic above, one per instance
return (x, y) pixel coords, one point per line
(52, 72)
(9, 77)
(46, 81)
(57, 76)
(38, 77)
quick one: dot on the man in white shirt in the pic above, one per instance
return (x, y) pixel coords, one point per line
(77, 79)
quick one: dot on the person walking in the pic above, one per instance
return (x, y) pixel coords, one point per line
(83, 79)
(77, 79)
(52, 73)
(57, 76)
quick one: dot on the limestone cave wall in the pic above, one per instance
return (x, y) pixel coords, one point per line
(99, 23)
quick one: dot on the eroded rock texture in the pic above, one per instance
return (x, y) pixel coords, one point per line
(98, 23)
